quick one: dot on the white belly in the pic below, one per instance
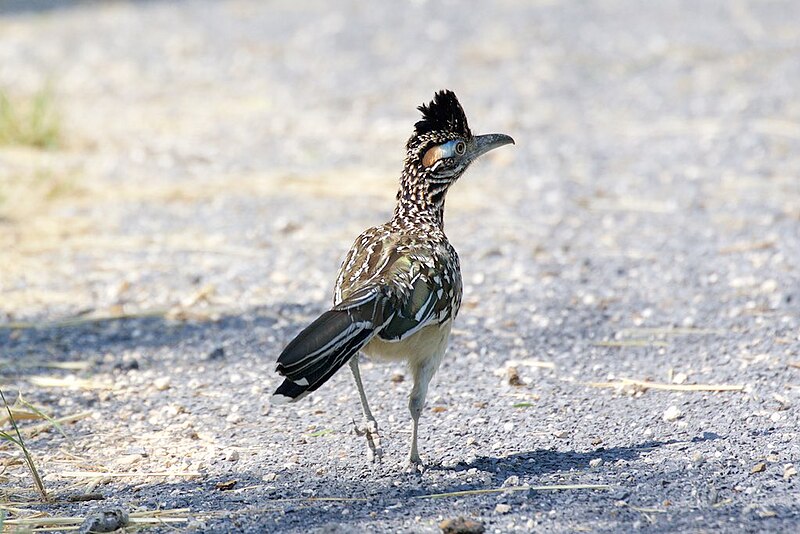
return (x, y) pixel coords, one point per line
(429, 344)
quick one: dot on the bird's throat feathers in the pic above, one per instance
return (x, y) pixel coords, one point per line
(420, 198)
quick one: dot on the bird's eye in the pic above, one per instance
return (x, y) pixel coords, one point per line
(446, 150)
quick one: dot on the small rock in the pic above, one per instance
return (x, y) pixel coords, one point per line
(269, 477)
(461, 525)
(162, 383)
(784, 402)
(471, 440)
(502, 509)
(232, 456)
(107, 520)
(698, 458)
(286, 226)
(595, 462)
(561, 434)
(216, 354)
(226, 485)
(511, 481)
(679, 378)
(234, 418)
(513, 377)
(128, 459)
(127, 365)
(789, 471)
(672, 414)
(758, 468)
(141, 451)
(397, 378)
(769, 286)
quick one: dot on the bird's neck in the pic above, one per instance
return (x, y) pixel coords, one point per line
(415, 200)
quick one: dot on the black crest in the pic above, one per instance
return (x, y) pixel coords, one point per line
(443, 113)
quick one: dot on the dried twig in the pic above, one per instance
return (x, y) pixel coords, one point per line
(28, 364)
(631, 343)
(149, 517)
(670, 331)
(747, 247)
(644, 384)
(67, 382)
(112, 474)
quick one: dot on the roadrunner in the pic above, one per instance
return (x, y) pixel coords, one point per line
(399, 288)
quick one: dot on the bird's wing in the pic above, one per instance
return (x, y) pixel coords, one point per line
(416, 279)
(402, 289)
(321, 349)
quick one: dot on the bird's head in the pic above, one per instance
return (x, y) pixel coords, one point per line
(440, 150)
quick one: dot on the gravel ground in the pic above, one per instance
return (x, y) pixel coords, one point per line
(220, 157)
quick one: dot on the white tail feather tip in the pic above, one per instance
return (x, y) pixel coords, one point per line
(277, 399)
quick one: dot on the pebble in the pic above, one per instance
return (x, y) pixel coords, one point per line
(513, 377)
(502, 509)
(461, 525)
(595, 462)
(216, 354)
(232, 456)
(161, 383)
(679, 378)
(105, 520)
(672, 414)
(789, 471)
(234, 418)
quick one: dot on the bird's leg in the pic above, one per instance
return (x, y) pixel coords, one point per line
(416, 401)
(369, 427)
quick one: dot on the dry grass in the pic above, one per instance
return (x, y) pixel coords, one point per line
(17, 439)
(32, 122)
(644, 385)
(38, 522)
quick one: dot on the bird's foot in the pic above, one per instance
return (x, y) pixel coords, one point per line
(414, 464)
(369, 428)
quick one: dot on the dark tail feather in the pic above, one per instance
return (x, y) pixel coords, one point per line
(323, 348)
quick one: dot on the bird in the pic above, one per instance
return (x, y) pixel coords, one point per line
(399, 287)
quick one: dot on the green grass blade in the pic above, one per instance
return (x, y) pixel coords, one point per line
(28, 458)
(49, 419)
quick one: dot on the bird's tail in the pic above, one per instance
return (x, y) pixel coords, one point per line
(324, 346)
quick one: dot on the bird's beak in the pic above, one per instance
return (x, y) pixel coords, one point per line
(482, 144)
